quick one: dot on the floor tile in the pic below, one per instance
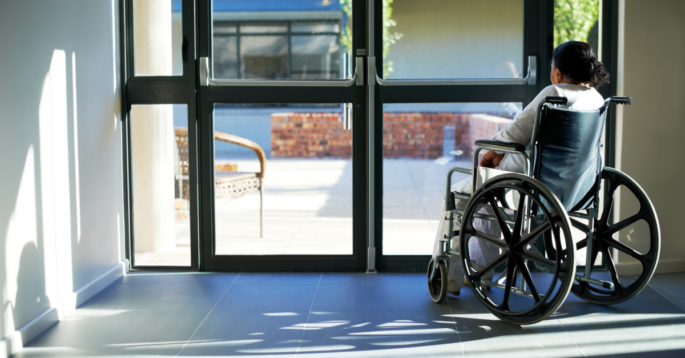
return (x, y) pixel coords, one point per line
(391, 334)
(140, 350)
(215, 280)
(157, 297)
(386, 279)
(648, 322)
(267, 298)
(383, 298)
(670, 286)
(247, 333)
(105, 328)
(348, 315)
(278, 279)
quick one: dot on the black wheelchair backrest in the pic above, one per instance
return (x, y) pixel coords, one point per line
(567, 156)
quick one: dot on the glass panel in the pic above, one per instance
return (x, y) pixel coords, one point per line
(263, 28)
(421, 143)
(225, 28)
(314, 27)
(159, 152)
(226, 53)
(315, 57)
(157, 37)
(305, 198)
(264, 56)
(453, 39)
(280, 40)
(577, 21)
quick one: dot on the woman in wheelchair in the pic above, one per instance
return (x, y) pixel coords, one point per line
(522, 222)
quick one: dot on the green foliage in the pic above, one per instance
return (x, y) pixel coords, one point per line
(389, 37)
(573, 20)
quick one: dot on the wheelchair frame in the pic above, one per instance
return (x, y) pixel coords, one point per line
(587, 288)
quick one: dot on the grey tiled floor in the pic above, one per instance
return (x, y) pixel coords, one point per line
(348, 315)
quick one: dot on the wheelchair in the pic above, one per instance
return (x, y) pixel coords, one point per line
(564, 189)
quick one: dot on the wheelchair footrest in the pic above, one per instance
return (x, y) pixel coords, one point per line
(514, 290)
(605, 284)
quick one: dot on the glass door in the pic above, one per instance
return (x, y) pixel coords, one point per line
(448, 73)
(281, 101)
(316, 135)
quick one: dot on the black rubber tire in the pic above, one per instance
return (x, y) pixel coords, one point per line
(603, 242)
(515, 251)
(437, 287)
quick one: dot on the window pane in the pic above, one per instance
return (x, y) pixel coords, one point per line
(304, 39)
(157, 37)
(453, 39)
(159, 153)
(315, 57)
(226, 55)
(313, 27)
(305, 196)
(264, 56)
(263, 28)
(577, 21)
(421, 143)
(225, 28)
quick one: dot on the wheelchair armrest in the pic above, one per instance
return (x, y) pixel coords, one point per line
(462, 170)
(620, 100)
(500, 146)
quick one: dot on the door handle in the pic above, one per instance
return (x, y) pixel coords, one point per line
(530, 79)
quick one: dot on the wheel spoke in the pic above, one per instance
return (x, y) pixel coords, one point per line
(489, 267)
(580, 226)
(502, 224)
(537, 258)
(609, 201)
(535, 233)
(510, 280)
(527, 277)
(593, 257)
(581, 244)
(612, 269)
(622, 224)
(625, 249)
(486, 237)
(518, 221)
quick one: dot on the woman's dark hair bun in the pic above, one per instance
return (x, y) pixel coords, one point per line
(578, 63)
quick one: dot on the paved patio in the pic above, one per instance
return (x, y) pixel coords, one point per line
(308, 210)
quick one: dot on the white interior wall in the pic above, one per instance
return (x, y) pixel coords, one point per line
(61, 208)
(652, 148)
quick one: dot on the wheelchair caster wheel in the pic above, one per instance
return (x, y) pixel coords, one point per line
(437, 286)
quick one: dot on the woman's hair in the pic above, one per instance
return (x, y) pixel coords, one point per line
(578, 63)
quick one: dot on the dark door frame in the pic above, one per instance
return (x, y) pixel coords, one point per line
(186, 89)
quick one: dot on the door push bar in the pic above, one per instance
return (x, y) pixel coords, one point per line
(356, 79)
(530, 79)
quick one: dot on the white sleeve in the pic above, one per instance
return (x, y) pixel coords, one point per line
(521, 129)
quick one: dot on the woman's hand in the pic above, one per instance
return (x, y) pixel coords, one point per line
(491, 159)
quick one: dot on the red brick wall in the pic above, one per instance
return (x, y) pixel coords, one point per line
(405, 134)
(471, 127)
(309, 135)
(415, 135)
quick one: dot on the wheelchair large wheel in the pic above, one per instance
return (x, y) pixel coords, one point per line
(642, 250)
(437, 281)
(539, 294)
